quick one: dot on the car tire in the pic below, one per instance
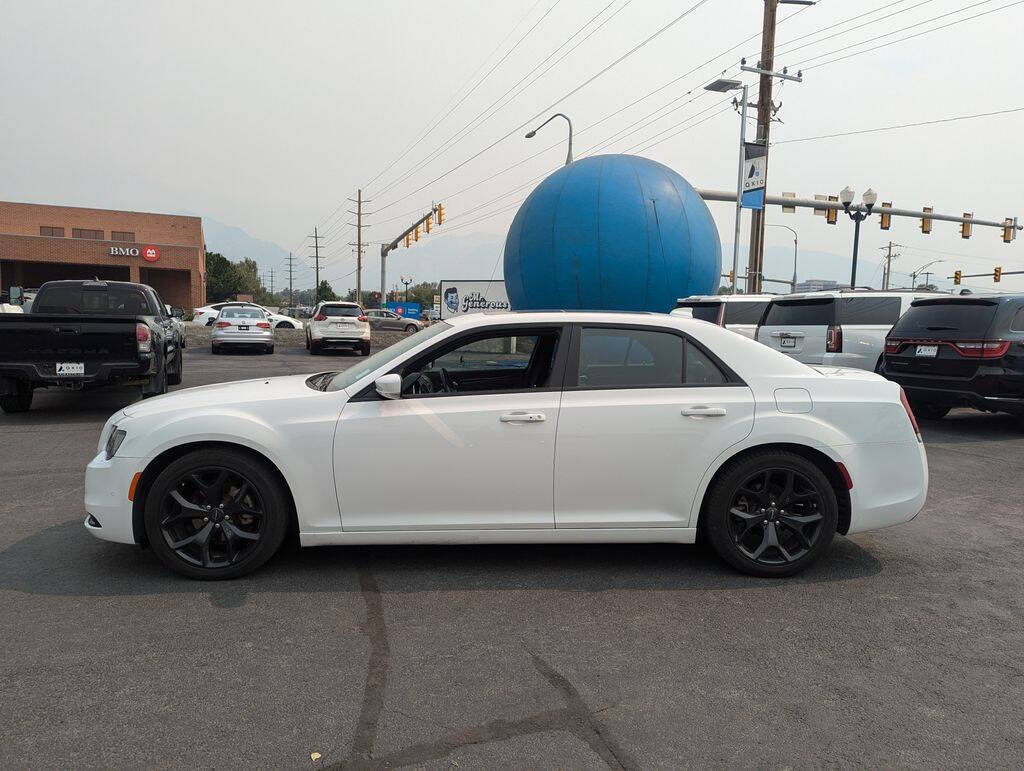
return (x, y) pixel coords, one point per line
(307, 342)
(411, 328)
(776, 543)
(314, 347)
(270, 349)
(214, 350)
(174, 378)
(365, 349)
(929, 410)
(285, 325)
(157, 385)
(18, 402)
(215, 547)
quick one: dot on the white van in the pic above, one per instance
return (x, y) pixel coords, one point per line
(737, 312)
(842, 328)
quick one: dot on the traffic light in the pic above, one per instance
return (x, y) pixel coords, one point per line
(440, 214)
(426, 224)
(416, 234)
(965, 227)
(926, 222)
(884, 217)
(408, 240)
(832, 214)
(957, 277)
(997, 274)
(1009, 230)
(732, 277)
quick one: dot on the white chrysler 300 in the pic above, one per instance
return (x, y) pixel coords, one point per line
(518, 428)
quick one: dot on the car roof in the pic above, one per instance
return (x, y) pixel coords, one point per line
(861, 293)
(499, 318)
(726, 298)
(340, 302)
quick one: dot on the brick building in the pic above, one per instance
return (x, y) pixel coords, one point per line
(40, 243)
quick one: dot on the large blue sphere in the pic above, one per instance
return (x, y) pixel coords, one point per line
(611, 232)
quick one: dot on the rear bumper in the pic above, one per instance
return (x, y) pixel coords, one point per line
(992, 388)
(890, 483)
(43, 373)
(328, 337)
(243, 338)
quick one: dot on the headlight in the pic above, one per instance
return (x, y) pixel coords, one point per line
(114, 441)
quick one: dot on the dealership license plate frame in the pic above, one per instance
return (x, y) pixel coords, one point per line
(927, 351)
(243, 327)
(69, 368)
(787, 341)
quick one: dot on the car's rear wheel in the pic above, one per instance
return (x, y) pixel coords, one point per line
(174, 378)
(930, 410)
(20, 401)
(216, 514)
(157, 385)
(270, 349)
(285, 325)
(314, 347)
(364, 349)
(771, 513)
(410, 327)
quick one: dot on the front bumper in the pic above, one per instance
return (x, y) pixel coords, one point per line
(107, 483)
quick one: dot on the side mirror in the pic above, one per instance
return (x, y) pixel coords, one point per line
(178, 313)
(389, 386)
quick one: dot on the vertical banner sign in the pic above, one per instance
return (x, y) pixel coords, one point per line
(755, 166)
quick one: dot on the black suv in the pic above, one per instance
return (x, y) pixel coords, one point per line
(959, 351)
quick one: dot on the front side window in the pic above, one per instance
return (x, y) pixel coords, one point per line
(629, 358)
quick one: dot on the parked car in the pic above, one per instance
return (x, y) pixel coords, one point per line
(842, 328)
(737, 312)
(178, 322)
(382, 318)
(242, 325)
(582, 427)
(338, 324)
(10, 308)
(81, 334)
(959, 351)
(207, 315)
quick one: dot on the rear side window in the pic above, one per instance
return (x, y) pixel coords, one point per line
(700, 370)
(948, 320)
(1017, 325)
(801, 313)
(629, 358)
(869, 310)
(703, 311)
(341, 310)
(744, 312)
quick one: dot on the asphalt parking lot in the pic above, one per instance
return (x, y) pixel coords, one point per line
(901, 648)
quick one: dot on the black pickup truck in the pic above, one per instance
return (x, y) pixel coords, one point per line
(81, 334)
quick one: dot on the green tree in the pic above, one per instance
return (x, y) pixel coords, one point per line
(326, 293)
(222, 279)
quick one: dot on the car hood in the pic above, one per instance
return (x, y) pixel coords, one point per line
(232, 394)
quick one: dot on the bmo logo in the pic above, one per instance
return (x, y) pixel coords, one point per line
(148, 253)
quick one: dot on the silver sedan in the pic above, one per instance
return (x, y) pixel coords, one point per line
(239, 325)
(381, 318)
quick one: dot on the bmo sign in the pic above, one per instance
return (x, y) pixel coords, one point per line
(148, 253)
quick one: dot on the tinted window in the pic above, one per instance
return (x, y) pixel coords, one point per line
(119, 301)
(700, 370)
(612, 358)
(341, 310)
(748, 312)
(703, 311)
(803, 313)
(1017, 325)
(489, 353)
(241, 313)
(949, 319)
(869, 310)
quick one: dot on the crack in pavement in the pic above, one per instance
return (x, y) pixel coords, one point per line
(575, 717)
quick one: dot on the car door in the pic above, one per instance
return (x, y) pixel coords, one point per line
(477, 456)
(392, 321)
(644, 413)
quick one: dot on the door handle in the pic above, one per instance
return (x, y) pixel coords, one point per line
(702, 411)
(523, 417)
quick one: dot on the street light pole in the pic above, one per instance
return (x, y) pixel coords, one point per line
(795, 246)
(532, 134)
(846, 198)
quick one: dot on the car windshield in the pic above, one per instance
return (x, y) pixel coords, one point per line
(241, 313)
(341, 310)
(380, 359)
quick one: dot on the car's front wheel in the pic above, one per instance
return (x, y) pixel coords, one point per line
(410, 328)
(216, 514)
(286, 325)
(772, 513)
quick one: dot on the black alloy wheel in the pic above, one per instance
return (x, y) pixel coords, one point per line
(773, 516)
(286, 325)
(215, 514)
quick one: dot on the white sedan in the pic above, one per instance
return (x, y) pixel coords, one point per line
(517, 428)
(207, 315)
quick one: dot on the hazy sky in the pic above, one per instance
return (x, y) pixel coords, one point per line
(267, 115)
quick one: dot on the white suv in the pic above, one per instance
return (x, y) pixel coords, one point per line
(842, 328)
(338, 325)
(739, 313)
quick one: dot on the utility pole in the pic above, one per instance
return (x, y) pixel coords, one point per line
(291, 262)
(271, 283)
(358, 201)
(316, 258)
(889, 257)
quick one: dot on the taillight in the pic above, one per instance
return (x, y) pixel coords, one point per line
(361, 318)
(982, 349)
(834, 339)
(320, 317)
(910, 414)
(892, 346)
(143, 338)
(222, 324)
(263, 325)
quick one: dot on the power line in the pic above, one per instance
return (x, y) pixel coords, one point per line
(900, 126)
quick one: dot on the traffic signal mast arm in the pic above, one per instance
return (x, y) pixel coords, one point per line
(413, 229)
(729, 196)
